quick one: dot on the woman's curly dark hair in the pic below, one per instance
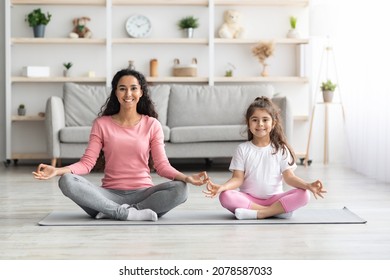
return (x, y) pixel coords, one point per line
(278, 138)
(145, 105)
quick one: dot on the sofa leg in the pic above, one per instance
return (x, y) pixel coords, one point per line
(54, 162)
(208, 161)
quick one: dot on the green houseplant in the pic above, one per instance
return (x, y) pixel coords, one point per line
(67, 66)
(293, 33)
(38, 21)
(188, 24)
(328, 88)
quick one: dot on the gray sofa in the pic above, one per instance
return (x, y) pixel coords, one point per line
(198, 121)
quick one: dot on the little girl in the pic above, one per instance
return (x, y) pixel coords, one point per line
(259, 166)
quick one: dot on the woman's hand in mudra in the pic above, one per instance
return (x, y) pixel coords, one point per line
(198, 179)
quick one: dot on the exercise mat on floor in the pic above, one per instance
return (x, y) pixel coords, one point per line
(207, 217)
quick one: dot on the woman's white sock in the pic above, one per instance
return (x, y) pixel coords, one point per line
(101, 215)
(141, 215)
(245, 214)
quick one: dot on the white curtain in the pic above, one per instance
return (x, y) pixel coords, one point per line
(359, 34)
(362, 51)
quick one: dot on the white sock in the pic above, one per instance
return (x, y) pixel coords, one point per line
(245, 214)
(141, 215)
(101, 215)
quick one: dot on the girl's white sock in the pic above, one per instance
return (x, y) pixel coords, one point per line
(141, 215)
(245, 214)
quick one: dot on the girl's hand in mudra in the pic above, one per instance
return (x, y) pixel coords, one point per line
(317, 189)
(212, 189)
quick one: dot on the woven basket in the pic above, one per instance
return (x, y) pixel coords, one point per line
(190, 70)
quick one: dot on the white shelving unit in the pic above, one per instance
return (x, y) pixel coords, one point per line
(110, 41)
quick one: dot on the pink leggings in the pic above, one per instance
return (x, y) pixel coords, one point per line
(290, 200)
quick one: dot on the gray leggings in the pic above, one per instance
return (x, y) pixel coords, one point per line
(94, 199)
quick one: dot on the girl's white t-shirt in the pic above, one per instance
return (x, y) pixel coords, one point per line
(263, 169)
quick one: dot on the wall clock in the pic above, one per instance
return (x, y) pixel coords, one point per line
(138, 26)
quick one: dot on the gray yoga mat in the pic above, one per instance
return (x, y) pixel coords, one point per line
(207, 217)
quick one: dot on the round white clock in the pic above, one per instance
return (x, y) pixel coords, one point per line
(138, 26)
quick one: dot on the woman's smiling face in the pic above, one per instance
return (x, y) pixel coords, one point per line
(128, 91)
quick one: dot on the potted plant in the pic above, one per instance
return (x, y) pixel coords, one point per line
(230, 70)
(293, 33)
(67, 66)
(328, 89)
(38, 21)
(21, 110)
(188, 24)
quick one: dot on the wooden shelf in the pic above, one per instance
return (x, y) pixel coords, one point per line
(16, 118)
(255, 41)
(59, 2)
(290, 3)
(274, 79)
(301, 118)
(58, 80)
(195, 41)
(177, 79)
(162, 2)
(57, 41)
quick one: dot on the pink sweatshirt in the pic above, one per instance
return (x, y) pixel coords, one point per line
(126, 151)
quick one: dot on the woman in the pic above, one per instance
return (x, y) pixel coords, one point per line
(128, 132)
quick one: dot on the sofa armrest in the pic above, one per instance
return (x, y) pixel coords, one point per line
(54, 122)
(287, 116)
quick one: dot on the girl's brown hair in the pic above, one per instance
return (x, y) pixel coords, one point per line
(278, 138)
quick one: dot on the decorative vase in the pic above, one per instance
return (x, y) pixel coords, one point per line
(66, 72)
(189, 32)
(131, 65)
(154, 67)
(264, 73)
(327, 96)
(39, 31)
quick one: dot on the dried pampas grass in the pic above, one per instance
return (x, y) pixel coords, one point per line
(262, 51)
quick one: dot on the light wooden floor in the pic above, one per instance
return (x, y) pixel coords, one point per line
(24, 202)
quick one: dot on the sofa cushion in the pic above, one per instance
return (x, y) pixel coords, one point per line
(160, 97)
(75, 134)
(166, 132)
(82, 103)
(219, 133)
(191, 105)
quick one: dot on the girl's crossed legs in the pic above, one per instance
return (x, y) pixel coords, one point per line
(276, 205)
(116, 203)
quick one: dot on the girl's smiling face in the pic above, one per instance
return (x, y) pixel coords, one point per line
(128, 91)
(260, 125)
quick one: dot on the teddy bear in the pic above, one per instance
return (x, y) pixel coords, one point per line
(231, 28)
(80, 30)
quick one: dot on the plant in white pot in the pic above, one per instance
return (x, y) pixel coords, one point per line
(188, 24)
(328, 89)
(21, 110)
(293, 32)
(38, 21)
(67, 66)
